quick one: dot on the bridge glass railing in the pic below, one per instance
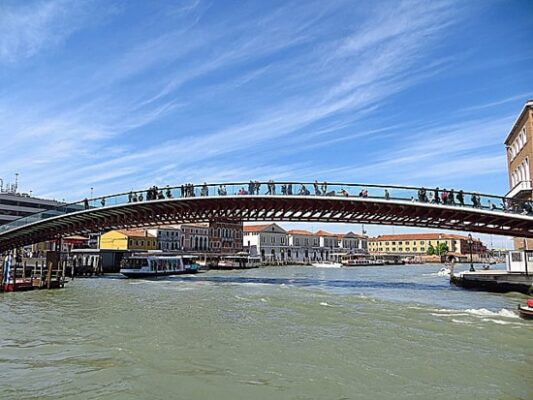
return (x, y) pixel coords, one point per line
(436, 197)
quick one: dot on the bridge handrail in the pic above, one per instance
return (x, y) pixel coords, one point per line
(81, 205)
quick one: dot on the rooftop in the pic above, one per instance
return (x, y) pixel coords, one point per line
(300, 232)
(135, 233)
(422, 236)
(528, 104)
(256, 228)
(325, 233)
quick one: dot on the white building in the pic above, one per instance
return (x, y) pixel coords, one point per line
(269, 241)
(352, 243)
(169, 238)
(303, 246)
(328, 245)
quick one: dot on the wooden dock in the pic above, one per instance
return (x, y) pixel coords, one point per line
(20, 277)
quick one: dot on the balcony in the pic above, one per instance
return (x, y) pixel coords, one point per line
(520, 187)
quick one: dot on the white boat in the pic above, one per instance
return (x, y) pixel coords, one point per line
(360, 261)
(444, 271)
(326, 264)
(144, 266)
(239, 261)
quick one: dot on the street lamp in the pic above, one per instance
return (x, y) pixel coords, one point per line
(470, 242)
(92, 201)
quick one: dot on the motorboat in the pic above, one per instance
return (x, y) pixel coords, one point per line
(444, 271)
(361, 262)
(144, 266)
(526, 311)
(238, 261)
(326, 264)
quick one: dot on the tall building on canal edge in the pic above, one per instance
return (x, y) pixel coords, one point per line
(519, 145)
(14, 204)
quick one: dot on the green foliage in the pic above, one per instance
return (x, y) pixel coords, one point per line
(440, 250)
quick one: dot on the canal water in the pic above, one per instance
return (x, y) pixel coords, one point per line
(398, 332)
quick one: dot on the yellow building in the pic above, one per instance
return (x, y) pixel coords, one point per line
(128, 240)
(419, 243)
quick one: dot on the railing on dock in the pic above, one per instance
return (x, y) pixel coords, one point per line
(19, 276)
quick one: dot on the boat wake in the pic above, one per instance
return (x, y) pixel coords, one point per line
(501, 317)
(483, 312)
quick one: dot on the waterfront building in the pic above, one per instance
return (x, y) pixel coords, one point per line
(225, 236)
(169, 238)
(269, 241)
(195, 237)
(519, 146)
(328, 244)
(418, 244)
(135, 239)
(303, 245)
(352, 243)
(14, 205)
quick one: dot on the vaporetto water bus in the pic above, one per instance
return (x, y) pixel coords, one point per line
(151, 265)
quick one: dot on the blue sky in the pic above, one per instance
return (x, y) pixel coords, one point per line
(125, 94)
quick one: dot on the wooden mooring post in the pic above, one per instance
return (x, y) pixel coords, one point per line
(2, 274)
(49, 275)
(15, 268)
(63, 273)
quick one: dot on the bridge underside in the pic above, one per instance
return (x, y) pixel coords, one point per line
(270, 208)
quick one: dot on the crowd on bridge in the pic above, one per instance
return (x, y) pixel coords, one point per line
(431, 196)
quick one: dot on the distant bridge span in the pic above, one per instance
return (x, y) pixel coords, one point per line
(336, 202)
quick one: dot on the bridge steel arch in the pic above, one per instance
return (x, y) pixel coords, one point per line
(248, 208)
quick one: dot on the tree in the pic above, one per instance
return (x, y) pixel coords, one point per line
(440, 250)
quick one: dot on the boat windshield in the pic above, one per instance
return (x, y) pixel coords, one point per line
(164, 264)
(134, 263)
(189, 260)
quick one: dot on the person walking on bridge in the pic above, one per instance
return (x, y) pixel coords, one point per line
(451, 197)
(317, 190)
(461, 198)
(436, 197)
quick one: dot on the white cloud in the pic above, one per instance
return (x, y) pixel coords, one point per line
(28, 28)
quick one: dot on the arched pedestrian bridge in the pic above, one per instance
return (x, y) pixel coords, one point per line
(279, 201)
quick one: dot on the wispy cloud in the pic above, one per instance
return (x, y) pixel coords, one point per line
(29, 27)
(239, 96)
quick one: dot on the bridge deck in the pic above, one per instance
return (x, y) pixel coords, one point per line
(342, 203)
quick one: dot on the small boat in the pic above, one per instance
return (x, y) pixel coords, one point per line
(239, 261)
(444, 271)
(145, 266)
(327, 264)
(526, 311)
(360, 260)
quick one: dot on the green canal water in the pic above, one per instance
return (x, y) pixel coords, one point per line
(269, 333)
